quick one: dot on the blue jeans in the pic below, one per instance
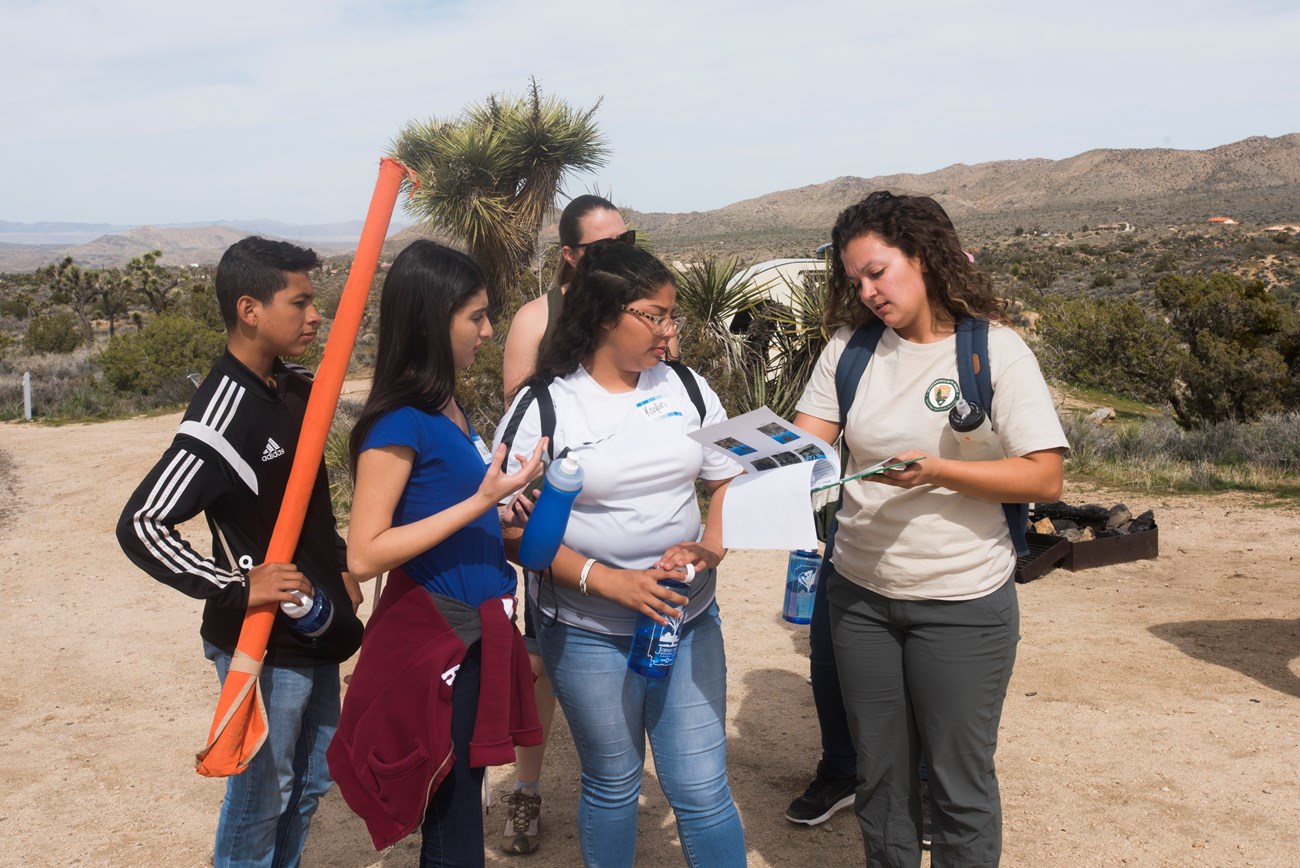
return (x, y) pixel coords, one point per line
(611, 709)
(452, 830)
(268, 807)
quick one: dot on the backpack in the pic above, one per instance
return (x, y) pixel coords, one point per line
(546, 410)
(972, 376)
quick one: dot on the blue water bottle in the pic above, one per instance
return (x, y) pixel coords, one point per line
(309, 616)
(800, 586)
(545, 528)
(654, 645)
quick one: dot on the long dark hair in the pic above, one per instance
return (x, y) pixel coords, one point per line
(920, 228)
(426, 285)
(612, 274)
(571, 229)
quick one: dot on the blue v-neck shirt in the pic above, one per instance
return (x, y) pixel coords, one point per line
(469, 565)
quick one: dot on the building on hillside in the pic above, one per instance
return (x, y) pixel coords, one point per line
(1225, 221)
(1283, 227)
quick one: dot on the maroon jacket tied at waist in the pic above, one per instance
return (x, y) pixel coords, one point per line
(393, 745)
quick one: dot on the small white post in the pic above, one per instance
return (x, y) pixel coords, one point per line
(27, 395)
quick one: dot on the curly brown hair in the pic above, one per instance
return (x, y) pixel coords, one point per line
(920, 228)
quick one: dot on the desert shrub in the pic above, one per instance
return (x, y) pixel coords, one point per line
(56, 332)
(16, 308)
(1270, 443)
(1241, 344)
(170, 347)
(1109, 345)
(63, 387)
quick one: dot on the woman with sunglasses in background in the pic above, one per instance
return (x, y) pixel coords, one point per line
(626, 418)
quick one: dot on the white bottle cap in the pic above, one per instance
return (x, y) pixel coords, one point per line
(299, 608)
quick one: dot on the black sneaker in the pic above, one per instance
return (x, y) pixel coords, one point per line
(823, 798)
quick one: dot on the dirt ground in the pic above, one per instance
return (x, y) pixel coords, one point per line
(1153, 718)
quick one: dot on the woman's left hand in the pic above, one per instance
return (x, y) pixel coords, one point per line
(692, 553)
(924, 472)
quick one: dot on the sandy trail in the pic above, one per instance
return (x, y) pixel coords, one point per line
(1153, 718)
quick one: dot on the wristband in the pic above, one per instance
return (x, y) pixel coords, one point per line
(582, 577)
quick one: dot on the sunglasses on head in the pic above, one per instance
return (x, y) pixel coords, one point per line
(628, 237)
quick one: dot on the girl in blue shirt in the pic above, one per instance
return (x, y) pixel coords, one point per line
(426, 489)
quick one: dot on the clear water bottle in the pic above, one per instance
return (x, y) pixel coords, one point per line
(974, 432)
(654, 645)
(800, 586)
(550, 517)
(308, 616)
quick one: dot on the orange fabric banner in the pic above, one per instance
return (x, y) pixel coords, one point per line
(239, 727)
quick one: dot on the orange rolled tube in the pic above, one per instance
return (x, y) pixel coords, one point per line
(239, 727)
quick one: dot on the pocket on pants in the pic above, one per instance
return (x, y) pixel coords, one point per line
(1003, 605)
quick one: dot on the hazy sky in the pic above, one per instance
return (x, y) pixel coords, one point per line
(155, 112)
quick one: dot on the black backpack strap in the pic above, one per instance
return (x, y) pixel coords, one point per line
(976, 382)
(545, 409)
(853, 363)
(692, 385)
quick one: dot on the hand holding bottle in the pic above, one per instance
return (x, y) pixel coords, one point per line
(641, 591)
(276, 583)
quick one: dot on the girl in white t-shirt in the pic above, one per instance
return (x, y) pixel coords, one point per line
(626, 416)
(922, 606)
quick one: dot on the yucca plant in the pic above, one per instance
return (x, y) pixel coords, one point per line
(790, 338)
(710, 295)
(489, 176)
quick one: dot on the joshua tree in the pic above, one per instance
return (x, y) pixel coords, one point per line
(489, 176)
(147, 279)
(74, 286)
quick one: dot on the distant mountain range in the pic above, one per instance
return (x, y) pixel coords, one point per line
(28, 246)
(1255, 181)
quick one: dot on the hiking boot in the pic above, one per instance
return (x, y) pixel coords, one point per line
(823, 798)
(523, 823)
(925, 815)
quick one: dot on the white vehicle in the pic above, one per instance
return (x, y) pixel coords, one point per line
(775, 279)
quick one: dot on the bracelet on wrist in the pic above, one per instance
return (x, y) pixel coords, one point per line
(582, 577)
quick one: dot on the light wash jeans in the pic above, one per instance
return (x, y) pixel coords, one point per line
(268, 807)
(611, 709)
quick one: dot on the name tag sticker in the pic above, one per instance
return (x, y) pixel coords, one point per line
(482, 449)
(655, 407)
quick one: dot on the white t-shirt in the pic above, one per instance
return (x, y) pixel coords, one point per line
(638, 491)
(928, 543)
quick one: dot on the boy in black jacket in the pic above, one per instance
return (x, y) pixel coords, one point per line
(230, 459)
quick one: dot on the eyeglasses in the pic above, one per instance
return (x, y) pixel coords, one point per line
(628, 237)
(662, 325)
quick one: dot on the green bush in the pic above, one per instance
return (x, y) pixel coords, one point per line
(1109, 345)
(1241, 347)
(52, 333)
(168, 349)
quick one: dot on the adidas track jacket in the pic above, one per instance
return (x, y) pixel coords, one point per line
(230, 459)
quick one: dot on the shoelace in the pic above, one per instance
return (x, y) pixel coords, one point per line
(521, 809)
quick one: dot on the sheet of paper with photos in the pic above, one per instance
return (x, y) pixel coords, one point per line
(769, 506)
